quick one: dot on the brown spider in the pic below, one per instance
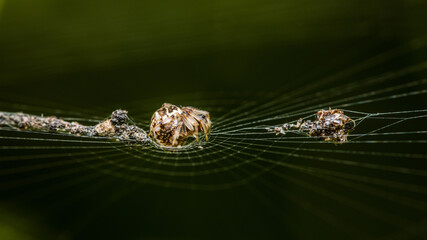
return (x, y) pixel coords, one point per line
(171, 125)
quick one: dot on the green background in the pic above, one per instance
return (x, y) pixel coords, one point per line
(91, 57)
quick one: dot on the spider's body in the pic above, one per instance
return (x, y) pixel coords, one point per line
(171, 125)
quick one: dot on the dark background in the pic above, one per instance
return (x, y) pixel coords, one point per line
(87, 58)
(109, 51)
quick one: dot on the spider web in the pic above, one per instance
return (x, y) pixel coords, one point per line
(383, 159)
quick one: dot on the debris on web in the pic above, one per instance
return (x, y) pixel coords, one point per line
(118, 126)
(329, 125)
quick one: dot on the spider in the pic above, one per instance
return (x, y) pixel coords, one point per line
(172, 125)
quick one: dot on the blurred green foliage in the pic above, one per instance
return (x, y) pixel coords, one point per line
(53, 37)
(57, 49)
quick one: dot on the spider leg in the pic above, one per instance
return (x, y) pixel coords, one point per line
(208, 123)
(187, 122)
(196, 133)
(205, 130)
(183, 131)
(202, 124)
(176, 136)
